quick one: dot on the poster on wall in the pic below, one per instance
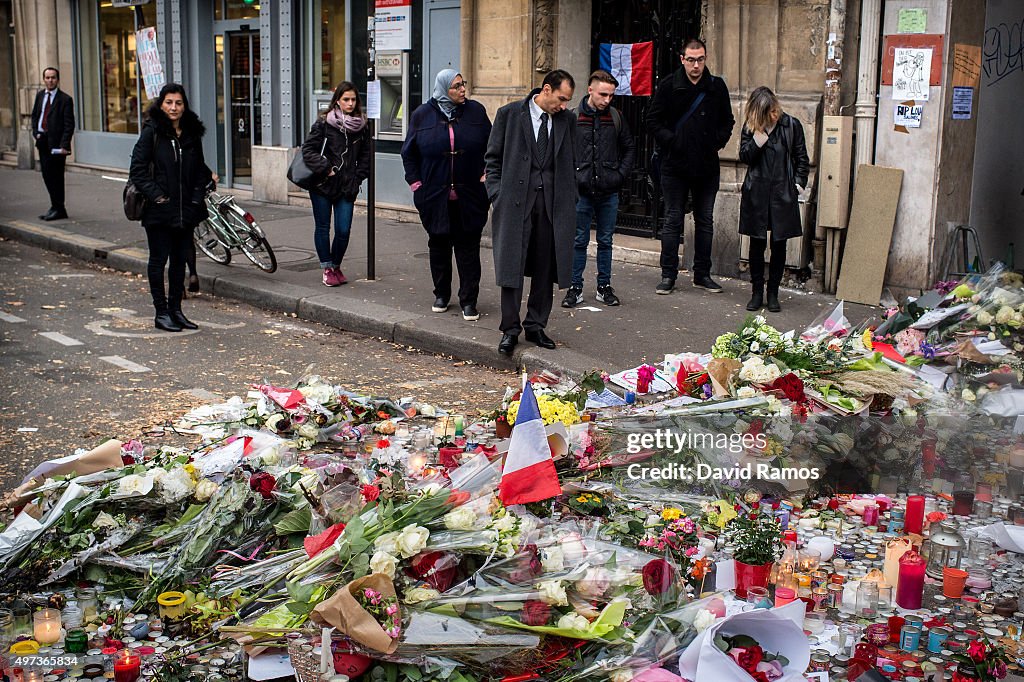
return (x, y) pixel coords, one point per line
(151, 69)
(911, 73)
(393, 24)
(908, 115)
(963, 103)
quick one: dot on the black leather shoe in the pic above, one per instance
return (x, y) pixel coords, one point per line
(773, 301)
(166, 322)
(183, 321)
(541, 339)
(470, 313)
(705, 282)
(665, 286)
(439, 306)
(53, 214)
(508, 344)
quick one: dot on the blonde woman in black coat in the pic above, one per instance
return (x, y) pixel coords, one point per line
(772, 145)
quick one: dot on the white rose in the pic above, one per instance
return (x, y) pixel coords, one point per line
(382, 562)
(621, 675)
(411, 540)
(319, 393)
(991, 336)
(552, 559)
(746, 392)
(594, 583)
(573, 621)
(755, 346)
(573, 547)
(1004, 315)
(552, 592)
(387, 543)
(747, 331)
(308, 430)
(460, 518)
(273, 420)
(985, 318)
(759, 320)
(506, 522)
(175, 485)
(968, 395)
(134, 484)
(704, 620)
(205, 489)
(417, 594)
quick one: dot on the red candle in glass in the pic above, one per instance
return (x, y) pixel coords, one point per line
(910, 584)
(983, 492)
(784, 595)
(895, 627)
(913, 520)
(928, 457)
(127, 668)
(963, 502)
(871, 515)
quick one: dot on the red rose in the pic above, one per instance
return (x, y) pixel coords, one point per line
(749, 659)
(759, 676)
(437, 569)
(535, 612)
(370, 493)
(791, 386)
(383, 444)
(833, 504)
(457, 498)
(658, 576)
(263, 483)
(976, 650)
(127, 460)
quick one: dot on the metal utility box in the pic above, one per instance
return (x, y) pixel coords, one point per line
(834, 168)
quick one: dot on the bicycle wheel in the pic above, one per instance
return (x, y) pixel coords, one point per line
(253, 244)
(207, 241)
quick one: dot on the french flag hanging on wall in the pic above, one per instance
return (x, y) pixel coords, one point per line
(632, 64)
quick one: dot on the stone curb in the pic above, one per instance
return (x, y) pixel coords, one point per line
(429, 333)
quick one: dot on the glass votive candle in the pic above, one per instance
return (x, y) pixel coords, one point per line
(46, 626)
(963, 502)
(808, 561)
(757, 597)
(814, 622)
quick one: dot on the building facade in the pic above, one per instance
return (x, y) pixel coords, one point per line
(259, 71)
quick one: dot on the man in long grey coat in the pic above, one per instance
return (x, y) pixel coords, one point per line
(531, 182)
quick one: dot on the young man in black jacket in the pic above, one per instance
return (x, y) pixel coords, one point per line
(605, 152)
(691, 120)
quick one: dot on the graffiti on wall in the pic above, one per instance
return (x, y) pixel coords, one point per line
(1003, 53)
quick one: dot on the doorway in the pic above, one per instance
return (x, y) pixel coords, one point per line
(441, 40)
(239, 113)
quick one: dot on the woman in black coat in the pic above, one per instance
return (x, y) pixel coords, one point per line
(772, 145)
(443, 156)
(338, 151)
(169, 169)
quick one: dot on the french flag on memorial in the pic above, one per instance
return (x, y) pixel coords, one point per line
(529, 473)
(632, 64)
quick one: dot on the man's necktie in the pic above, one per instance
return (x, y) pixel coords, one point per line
(542, 138)
(46, 110)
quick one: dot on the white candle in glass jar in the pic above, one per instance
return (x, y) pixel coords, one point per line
(46, 626)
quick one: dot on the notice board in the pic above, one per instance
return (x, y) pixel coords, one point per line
(931, 41)
(869, 234)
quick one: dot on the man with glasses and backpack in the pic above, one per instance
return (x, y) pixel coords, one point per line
(691, 119)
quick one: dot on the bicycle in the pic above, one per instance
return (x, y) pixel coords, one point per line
(230, 227)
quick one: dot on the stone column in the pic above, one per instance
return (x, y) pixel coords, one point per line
(35, 48)
(867, 83)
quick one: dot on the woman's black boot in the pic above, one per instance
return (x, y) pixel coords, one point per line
(773, 299)
(757, 298)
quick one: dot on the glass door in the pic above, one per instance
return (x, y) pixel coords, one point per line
(242, 122)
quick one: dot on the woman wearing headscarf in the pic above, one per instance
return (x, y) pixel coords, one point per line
(772, 145)
(443, 156)
(337, 150)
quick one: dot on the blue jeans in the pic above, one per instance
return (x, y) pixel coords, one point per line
(330, 255)
(606, 210)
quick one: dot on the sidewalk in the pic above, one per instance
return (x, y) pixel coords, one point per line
(396, 306)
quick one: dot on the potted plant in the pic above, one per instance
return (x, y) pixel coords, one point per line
(983, 661)
(757, 542)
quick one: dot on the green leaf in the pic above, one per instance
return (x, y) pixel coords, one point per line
(354, 529)
(361, 565)
(295, 521)
(743, 641)
(300, 608)
(300, 593)
(721, 643)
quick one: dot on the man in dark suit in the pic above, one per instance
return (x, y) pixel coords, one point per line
(53, 124)
(531, 182)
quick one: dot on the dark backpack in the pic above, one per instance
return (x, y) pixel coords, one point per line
(134, 202)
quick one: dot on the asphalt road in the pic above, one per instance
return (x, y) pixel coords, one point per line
(81, 362)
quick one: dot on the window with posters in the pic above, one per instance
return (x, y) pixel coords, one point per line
(111, 94)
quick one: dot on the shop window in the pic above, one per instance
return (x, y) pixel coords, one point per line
(331, 47)
(236, 9)
(112, 99)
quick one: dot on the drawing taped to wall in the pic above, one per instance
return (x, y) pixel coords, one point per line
(911, 73)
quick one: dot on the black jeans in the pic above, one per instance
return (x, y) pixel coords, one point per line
(52, 167)
(466, 247)
(776, 267)
(675, 189)
(167, 244)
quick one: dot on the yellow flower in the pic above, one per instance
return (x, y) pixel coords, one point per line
(866, 338)
(725, 513)
(581, 498)
(671, 513)
(191, 469)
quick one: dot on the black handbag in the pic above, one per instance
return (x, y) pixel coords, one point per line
(302, 175)
(134, 202)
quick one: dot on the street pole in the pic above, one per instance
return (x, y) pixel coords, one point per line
(371, 223)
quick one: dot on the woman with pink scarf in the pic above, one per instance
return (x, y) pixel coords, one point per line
(338, 151)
